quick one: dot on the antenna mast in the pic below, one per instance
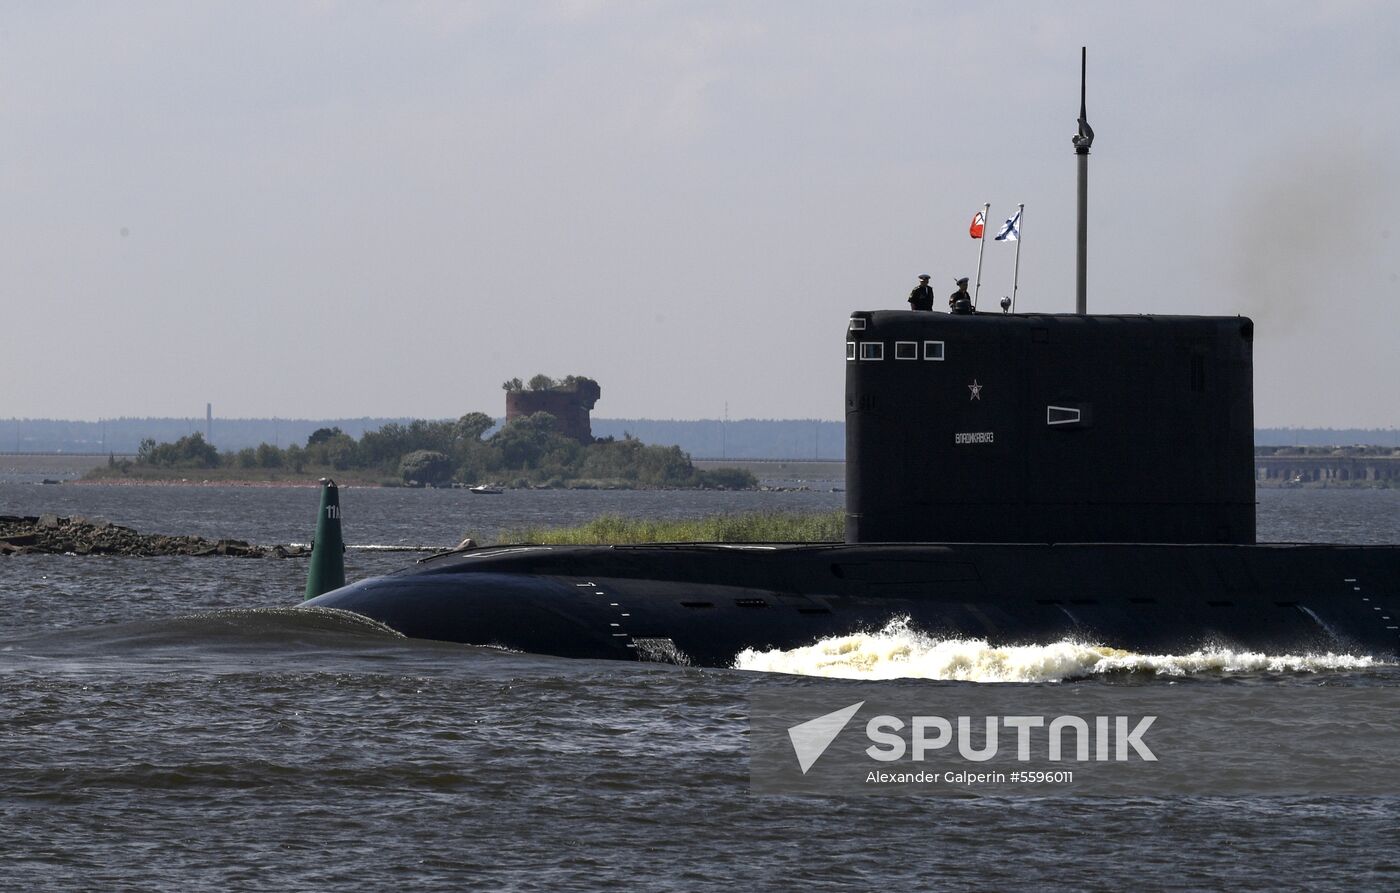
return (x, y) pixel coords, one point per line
(1082, 141)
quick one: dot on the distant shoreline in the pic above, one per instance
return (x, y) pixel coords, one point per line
(185, 482)
(347, 483)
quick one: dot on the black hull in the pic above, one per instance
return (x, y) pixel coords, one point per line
(703, 604)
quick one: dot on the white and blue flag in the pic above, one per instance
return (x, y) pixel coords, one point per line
(1011, 229)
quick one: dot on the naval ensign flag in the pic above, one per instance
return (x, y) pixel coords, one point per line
(979, 220)
(1011, 229)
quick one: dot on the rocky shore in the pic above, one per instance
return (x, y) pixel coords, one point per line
(50, 534)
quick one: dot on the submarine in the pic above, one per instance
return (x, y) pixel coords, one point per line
(1014, 478)
(1019, 478)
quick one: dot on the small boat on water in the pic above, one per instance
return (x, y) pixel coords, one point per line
(485, 490)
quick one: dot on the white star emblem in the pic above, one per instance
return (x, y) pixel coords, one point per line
(976, 390)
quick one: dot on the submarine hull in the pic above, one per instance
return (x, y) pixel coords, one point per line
(703, 604)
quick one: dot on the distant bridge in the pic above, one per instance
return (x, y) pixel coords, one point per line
(1313, 468)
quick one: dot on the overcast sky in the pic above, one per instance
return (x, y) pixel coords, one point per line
(344, 209)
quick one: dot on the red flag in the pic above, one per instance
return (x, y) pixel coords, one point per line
(978, 224)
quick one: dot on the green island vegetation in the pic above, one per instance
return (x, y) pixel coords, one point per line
(524, 453)
(528, 451)
(749, 527)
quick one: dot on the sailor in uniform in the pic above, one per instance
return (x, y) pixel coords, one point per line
(921, 298)
(960, 301)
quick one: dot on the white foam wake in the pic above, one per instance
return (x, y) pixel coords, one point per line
(899, 652)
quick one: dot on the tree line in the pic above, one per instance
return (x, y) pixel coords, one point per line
(527, 451)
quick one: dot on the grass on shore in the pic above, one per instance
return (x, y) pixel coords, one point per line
(753, 527)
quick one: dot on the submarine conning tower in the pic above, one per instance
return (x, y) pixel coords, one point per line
(1022, 428)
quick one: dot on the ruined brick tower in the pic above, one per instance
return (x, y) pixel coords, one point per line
(569, 402)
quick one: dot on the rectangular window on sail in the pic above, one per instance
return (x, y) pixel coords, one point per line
(933, 350)
(872, 350)
(906, 350)
(857, 324)
(850, 350)
(1061, 415)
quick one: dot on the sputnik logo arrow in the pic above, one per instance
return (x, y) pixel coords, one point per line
(810, 739)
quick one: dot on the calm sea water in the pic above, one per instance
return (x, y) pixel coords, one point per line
(171, 724)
